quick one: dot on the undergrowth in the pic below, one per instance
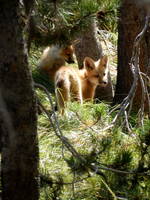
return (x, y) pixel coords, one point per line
(70, 179)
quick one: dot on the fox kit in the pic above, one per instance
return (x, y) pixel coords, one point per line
(54, 57)
(80, 84)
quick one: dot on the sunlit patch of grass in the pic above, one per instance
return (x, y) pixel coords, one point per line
(89, 112)
(82, 126)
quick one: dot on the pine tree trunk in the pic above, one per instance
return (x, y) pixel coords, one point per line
(88, 45)
(131, 22)
(18, 121)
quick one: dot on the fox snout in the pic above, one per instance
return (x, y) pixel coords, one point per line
(103, 83)
(68, 54)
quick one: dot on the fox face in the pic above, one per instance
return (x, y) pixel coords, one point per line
(67, 54)
(97, 72)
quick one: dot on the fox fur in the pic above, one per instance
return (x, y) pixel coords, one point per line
(75, 84)
(54, 57)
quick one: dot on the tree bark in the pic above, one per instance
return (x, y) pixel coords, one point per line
(18, 121)
(88, 45)
(131, 22)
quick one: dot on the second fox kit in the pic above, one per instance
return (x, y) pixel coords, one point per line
(80, 84)
(54, 57)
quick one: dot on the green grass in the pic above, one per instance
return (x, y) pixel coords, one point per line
(51, 158)
(114, 148)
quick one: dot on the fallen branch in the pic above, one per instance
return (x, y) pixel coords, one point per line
(94, 168)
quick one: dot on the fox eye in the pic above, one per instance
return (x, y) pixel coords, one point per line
(97, 76)
(104, 74)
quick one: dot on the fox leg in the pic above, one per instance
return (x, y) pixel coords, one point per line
(77, 94)
(62, 92)
(80, 95)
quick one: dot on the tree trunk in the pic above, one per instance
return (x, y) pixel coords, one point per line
(88, 45)
(18, 121)
(131, 22)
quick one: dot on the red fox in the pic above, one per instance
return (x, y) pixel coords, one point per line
(80, 84)
(54, 57)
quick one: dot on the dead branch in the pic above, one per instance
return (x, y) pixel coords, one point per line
(94, 168)
(55, 124)
(126, 105)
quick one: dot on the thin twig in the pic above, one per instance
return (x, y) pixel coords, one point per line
(90, 127)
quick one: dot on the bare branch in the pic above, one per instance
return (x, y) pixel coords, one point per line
(96, 169)
(126, 105)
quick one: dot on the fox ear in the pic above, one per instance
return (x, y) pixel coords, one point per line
(72, 47)
(89, 63)
(104, 60)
